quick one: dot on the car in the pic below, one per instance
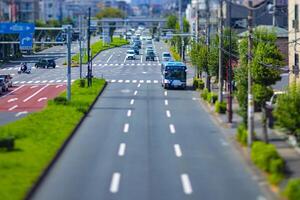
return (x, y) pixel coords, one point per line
(271, 105)
(137, 43)
(156, 38)
(166, 56)
(45, 63)
(7, 78)
(130, 55)
(3, 85)
(150, 55)
(136, 49)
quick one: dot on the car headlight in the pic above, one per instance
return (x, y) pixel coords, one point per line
(166, 81)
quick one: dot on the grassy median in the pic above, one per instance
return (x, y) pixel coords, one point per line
(97, 47)
(38, 137)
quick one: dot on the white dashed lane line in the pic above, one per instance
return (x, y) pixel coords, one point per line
(12, 108)
(177, 150)
(129, 112)
(166, 93)
(168, 113)
(126, 128)
(135, 93)
(131, 101)
(122, 149)
(172, 129)
(166, 102)
(186, 184)
(115, 181)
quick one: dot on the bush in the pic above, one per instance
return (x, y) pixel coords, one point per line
(288, 114)
(266, 157)
(220, 107)
(60, 100)
(212, 97)
(204, 94)
(82, 83)
(292, 190)
(198, 83)
(242, 134)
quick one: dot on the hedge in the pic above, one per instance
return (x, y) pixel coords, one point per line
(220, 107)
(174, 54)
(266, 157)
(38, 136)
(242, 134)
(198, 83)
(212, 97)
(204, 94)
(292, 190)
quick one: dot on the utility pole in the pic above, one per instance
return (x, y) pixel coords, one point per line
(229, 100)
(80, 46)
(274, 13)
(220, 95)
(89, 75)
(69, 40)
(207, 32)
(250, 96)
(181, 29)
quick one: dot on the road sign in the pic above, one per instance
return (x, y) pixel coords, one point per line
(25, 31)
(26, 41)
(10, 28)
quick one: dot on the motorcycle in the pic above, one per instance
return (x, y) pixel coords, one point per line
(24, 69)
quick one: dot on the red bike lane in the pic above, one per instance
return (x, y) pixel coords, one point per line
(29, 98)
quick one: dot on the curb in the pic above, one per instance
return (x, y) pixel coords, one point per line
(59, 152)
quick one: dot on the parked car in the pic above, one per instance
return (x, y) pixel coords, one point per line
(7, 78)
(270, 106)
(166, 56)
(3, 85)
(130, 55)
(45, 63)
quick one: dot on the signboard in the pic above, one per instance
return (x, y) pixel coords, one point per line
(25, 31)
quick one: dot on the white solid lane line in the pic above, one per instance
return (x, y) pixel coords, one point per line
(186, 184)
(177, 150)
(115, 181)
(122, 149)
(166, 102)
(131, 101)
(12, 108)
(172, 129)
(168, 113)
(135, 93)
(126, 128)
(166, 93)
(13, 91)
(28, 98)
(129, 112)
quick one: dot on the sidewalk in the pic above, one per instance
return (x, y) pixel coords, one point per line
(277, 138)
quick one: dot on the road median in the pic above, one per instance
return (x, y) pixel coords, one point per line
(40, 138)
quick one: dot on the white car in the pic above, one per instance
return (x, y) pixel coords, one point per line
(130, 55)
(166, 56)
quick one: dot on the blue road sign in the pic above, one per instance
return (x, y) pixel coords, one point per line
(10, 28)
(26, 41)
(25, 31)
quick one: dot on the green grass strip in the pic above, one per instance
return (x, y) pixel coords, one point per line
(38, 138)
(97, 47)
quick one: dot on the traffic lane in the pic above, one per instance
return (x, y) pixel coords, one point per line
(7, 117)
(149, 161)
(29, 97)
(85, 168)
(215, 169)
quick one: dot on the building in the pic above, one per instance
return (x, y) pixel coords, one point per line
(51, 10)
(27, 10)
(294, 40)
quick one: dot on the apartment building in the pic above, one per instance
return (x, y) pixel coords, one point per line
(294, 40)
(27, 10)
(51, 9)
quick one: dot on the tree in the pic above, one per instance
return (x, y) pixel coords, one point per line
(171, 22)
(264, 69)
(111, 13)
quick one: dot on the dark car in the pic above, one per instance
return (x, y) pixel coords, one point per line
(45, 63)
(7, 78)
(137, 43)
(136, 50)
(3, 85)
(150, 55)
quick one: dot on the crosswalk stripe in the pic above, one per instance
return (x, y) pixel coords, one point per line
(120, 81)
(141, 81)
(134, 81)
(15, 82)
(58, 81)
(148, 81)
(45, 81)
(127, 81)
(37, 81)
(113, 81)
(51, 81)
(155, 81)
(29, 81)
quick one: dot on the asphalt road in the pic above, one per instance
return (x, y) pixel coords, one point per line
(142, 142)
